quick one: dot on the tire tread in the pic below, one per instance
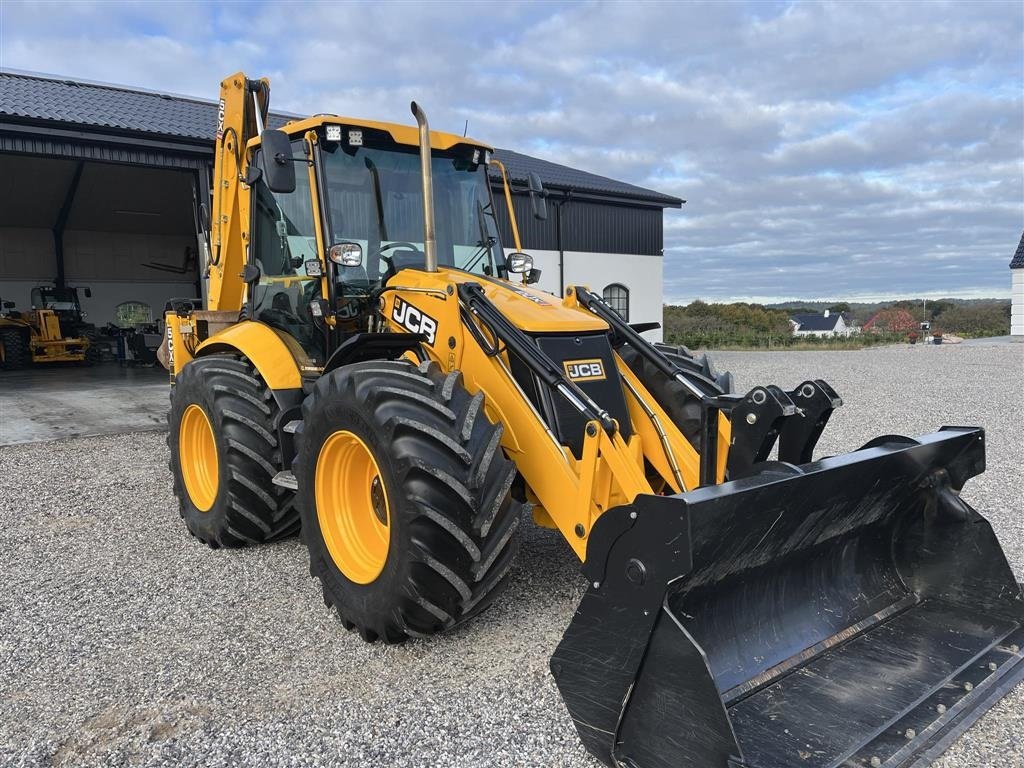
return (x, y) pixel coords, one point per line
(256, 511)
(455, 480)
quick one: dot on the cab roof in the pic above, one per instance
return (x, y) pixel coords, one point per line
(402, 134)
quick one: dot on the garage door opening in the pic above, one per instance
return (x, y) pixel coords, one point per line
(126, 232)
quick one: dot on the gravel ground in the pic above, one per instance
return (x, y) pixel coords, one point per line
(124, 642)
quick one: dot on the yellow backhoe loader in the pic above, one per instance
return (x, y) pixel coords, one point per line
(372, 368)
(53, 331)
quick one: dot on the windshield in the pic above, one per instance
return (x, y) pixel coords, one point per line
(375, 199)
(57, 299)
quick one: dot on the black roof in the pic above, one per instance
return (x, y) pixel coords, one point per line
(52, 99)
(519, 167)
(816, 322)
(32, 98)
(1018, 258)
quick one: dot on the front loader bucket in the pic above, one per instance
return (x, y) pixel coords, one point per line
(849, 612)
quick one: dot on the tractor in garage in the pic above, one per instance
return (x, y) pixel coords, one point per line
(54, 330)
(373, 369)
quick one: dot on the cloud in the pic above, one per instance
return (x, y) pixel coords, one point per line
(825, 149)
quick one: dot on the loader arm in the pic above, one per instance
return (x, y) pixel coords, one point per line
(489, 330)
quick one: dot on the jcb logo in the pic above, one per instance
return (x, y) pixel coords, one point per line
(584, 370)
(348, 311)
(413, 320)
(170, 349)
(220, 120)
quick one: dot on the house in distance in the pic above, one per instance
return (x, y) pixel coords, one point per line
(826, 324)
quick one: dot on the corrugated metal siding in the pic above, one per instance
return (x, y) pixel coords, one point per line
(587, 225)
(30, 144)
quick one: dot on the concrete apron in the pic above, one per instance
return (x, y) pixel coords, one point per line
(61, 401)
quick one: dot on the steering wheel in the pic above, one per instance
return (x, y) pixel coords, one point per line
(388, 260)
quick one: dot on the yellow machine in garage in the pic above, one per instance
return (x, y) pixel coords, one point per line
(372, 368)
(54, 331)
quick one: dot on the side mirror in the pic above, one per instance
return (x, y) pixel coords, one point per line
(276, 161)
(538, 198)
(88, 293)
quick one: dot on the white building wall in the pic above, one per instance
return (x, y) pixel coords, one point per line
(1017, 298)
(642, 275)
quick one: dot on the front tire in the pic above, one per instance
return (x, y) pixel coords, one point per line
(16, 351)
(225, 453)
(92, 354)
(405, 455)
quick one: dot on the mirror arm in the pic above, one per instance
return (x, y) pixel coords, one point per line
(281, 159)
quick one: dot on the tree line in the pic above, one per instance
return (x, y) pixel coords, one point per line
(740, 324)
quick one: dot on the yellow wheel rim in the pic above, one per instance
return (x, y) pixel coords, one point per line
(197, 454)
(352, 507)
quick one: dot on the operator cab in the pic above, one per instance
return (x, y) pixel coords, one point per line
(369, 202)
(64, 303)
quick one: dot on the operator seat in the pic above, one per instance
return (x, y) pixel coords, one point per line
(405, 259)
(283, 302)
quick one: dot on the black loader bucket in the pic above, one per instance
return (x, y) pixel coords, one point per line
(848, 612)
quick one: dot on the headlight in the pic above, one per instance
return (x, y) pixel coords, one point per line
(347, 254)
(519, 263)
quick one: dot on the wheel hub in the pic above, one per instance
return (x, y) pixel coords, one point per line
(378, 500)
(198, 458)
(352, 507)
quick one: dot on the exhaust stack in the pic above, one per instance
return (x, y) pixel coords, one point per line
(429, 239)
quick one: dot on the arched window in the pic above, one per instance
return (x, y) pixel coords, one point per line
(617, 297)
(131, 313)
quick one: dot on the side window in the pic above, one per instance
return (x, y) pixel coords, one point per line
(617, 297)
(283, 239)
(284, 236)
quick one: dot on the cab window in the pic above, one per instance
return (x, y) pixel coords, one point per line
(283, 241)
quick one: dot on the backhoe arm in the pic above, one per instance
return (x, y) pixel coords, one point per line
(241, 112)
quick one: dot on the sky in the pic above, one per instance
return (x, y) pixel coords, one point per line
(826, 150)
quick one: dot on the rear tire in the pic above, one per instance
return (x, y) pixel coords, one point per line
(247, 508)
(451, 523)
(679, 403)
(92, 352)
(16, 351)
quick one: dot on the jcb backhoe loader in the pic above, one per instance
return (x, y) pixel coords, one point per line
(53, 331)
(373, 368)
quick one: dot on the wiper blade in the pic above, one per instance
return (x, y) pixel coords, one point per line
(486, 241)
(375, 176)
